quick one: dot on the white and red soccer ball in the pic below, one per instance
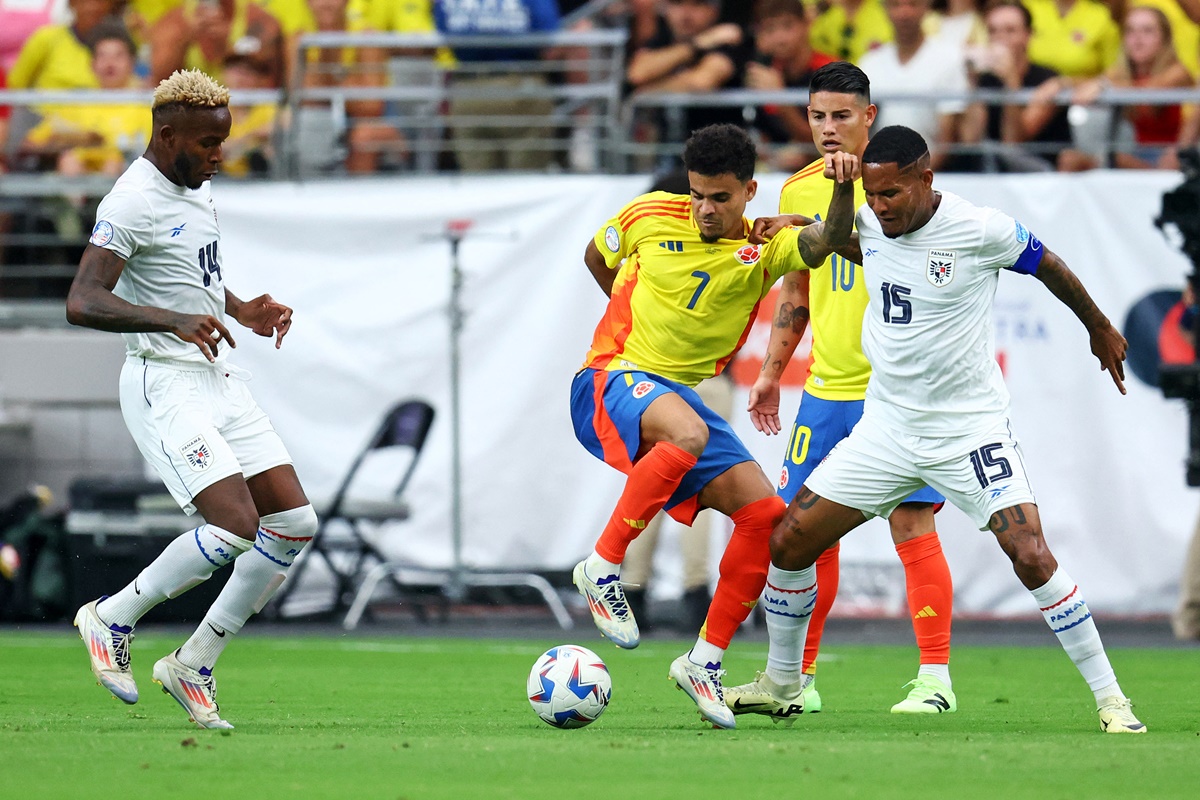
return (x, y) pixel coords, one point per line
(569, 686)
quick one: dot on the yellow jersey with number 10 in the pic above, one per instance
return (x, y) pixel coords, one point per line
(836, 297)
(681, 307)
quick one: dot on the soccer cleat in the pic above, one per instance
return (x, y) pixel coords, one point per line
(610, 610)
(195, 690)
(703, 685)
(811, 698)
(927, 696)
(1116, 716)
(765, 696)
(108, 649)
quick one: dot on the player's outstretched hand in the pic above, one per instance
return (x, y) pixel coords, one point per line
(765, 228)
(203, 331)
(266, 317)
(764, 405)
(1109, 346)
(842, 167)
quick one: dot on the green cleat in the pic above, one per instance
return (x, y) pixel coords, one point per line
(927, 696)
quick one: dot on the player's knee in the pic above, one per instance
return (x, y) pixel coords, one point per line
(296, 527)
(691, 436)
(787, 548)
(1033, 563)
(242, 521)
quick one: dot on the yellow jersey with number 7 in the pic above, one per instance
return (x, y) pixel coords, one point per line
(681, 307)
(836, 297)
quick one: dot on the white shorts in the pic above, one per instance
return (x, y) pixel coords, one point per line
(875, 468)
(196, 425)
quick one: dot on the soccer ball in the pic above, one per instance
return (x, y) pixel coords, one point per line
(569, 686)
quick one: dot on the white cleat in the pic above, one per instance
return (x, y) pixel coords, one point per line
(610, 610)
(782, 703)
(703, 685)
(194, 690)
(108, 650)
(1116, 716)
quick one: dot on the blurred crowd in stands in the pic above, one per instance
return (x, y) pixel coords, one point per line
(1065, 52)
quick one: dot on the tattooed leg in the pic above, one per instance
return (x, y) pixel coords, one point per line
(810, 526)
(1019, 531)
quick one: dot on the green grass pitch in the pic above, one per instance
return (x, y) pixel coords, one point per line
(341, 717)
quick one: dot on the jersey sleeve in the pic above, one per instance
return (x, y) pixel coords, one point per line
(1007, 244)
(124, 224)
(620, 235)
(781, 256)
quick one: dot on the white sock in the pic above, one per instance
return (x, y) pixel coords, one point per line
(186, 562)
(1069, 617)
(939, 671)
(706, 654)
(788, 602)
(597, 566)
(255, 579)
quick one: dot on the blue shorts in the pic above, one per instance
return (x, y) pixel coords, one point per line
(606, 411)
(821, 424)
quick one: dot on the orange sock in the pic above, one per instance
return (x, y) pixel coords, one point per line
(743, 569)
(930, 595)
(828, 573)
(651, 482)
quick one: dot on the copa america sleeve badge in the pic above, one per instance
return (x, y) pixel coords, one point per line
(102, 233)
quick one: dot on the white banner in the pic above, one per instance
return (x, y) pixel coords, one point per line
(367, 269)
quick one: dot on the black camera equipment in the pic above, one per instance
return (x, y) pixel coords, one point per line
(1181, 210)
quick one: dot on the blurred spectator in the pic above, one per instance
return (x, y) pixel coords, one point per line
(915, 63)
(785, 60)
(248, 150)
(692, 52)
(57, 56)
(368, 136)
(100, 138)
(959, 21)
(5, 113)
(1185, 32)
(1075, 38)
(201, 34)
(18, 20)
(1029, 135)
(1147, 61)
(849, 28)
(480, 147)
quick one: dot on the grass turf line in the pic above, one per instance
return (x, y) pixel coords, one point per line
(430, 718)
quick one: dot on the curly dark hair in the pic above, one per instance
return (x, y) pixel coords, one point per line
(720, 150)
(897, 145)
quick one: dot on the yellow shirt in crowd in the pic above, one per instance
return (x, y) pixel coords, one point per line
(1083, 44)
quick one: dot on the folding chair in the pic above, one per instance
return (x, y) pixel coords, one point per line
(340, 541)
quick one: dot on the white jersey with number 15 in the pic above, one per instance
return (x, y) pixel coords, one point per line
(928, 325)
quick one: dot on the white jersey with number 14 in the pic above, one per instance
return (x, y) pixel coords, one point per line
(168, 236)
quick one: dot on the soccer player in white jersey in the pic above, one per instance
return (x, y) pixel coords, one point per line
(153, 272)
(936, 409)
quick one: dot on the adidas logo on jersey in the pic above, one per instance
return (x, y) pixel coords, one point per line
(674, 247)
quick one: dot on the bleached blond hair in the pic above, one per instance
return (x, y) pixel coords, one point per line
(190, 88)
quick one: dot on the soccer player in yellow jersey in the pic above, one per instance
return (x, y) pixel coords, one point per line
(684, 285)
(833, 301)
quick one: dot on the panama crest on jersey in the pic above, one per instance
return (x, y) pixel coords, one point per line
(198, 454)
(940, 267)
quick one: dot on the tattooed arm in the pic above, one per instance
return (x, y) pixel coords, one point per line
(1108, 345)
(836, 234)
(787, 328)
